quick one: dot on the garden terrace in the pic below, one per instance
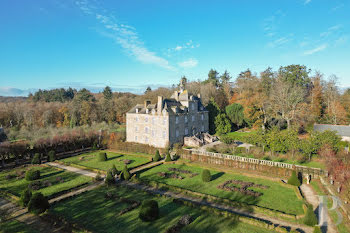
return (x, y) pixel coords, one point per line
(278, 196)
(90, 160)
(53, 181)
(100, 214)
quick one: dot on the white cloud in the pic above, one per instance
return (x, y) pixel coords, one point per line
(187, 45)
(190, 63)
(341, 40)
(316, 50)
(280, 41)
(330, 30)
(337, 7)
(307, 2)
(126, 36)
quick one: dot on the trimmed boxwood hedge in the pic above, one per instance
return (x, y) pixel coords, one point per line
(32, 174)
(102, 156)
(206, 177)
(149, 210)
(38, 204)
(293, 180)
(25, 197)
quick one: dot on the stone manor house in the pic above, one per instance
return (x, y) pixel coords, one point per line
(168, 121)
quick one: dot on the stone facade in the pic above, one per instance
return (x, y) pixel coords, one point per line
(168, 121)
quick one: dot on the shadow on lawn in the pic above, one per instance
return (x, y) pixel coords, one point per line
(115, 157)
(217, 175)
(51, 174)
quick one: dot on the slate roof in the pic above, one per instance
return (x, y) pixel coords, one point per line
(342, 130)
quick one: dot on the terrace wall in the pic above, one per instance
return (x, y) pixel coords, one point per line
(269, 167)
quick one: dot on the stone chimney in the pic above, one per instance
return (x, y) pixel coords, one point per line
(146, 103)
(160, 104)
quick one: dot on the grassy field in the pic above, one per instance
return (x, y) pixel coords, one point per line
(49, 174)
(12, 226)
(277, 196)
(90, 160)
(98, 214)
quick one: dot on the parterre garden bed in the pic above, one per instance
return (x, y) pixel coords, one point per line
(90, 160)
(100, 213)
(52, 180)
(274, 195)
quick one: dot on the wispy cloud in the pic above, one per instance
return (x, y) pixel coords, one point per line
(188, 45)
(316, 50)
(337, 7)
(126, 36)
(330, 30)
(190, 63)
(341, 40)
(307, 2)
(280, 41)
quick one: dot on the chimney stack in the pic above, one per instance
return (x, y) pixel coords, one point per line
(160, 104)
(146, 103)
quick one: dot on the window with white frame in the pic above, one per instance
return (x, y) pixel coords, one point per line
(136, 119)
(186, 131)
(146, 139)
(177, 120)
(192, 118)
(153, 133)
(177, 133)
(202, 116)
(146, 119)
(135, 138)
(146, 129)
(164, 121)
(164, 134)
(202, 128)
(153, 121)
(186, 119)
(136, 129)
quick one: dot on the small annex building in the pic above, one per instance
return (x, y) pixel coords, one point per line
(342, 130)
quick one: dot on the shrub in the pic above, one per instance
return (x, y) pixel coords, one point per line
(32, 174)
(114, 170)
(109, 178)
(97, 177)
(102, 156)
(149, 210)
(167, 158)
(36, 159)
(240, 150)
(206, 177)
(317, 229)
(25, 197)
(51, 155)
(310, 218)
(293, 180)
(126, 173)
(38, 204)
(156, 156)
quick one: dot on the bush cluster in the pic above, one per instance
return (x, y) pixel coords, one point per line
(149, 210)
(293, 180)
(51, 156)
(36, 159)
(310, 218)
(102, 156)
(156, 156)
(109, 178)
(125, 173)
(32, 174)
(25, 197)
(167, 157)
(38, 204)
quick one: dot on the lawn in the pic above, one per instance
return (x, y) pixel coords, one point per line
(98, 214)
(12, 226)
(277, 196)
(90, 160)
(48, 174)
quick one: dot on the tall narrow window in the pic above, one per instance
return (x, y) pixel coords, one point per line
(186, 131)
(186, 119)
(177, 120)
(177, 133)
(202, 128)
(202, 116)
(135, 138)
(192, 118)
(164, 134)
(146, 129)
(146, 119)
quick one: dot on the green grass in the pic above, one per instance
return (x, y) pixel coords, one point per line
(95, 213)
(278, 196)
(12, 226)
(237, 134)
(16, 186)
(90, 160)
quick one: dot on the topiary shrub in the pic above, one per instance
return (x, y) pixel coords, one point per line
(206, 177)
(25, 197)
(293, 180)
(156, 156)
(51, 156)
(32, 174)
(310, 218)
(109, 178)
(125, 173)
(317, 229)
(114, 170)
(167, 157)
(38, 204)
(98, 177)
(149, 211)
(102, 156)
(36, 159)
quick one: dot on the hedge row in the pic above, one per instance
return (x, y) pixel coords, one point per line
(133, 147)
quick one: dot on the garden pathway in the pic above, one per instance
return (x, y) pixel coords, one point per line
(231, 209)
(317, 202)
(149, 165)
(73, 169)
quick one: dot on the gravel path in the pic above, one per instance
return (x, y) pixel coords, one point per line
(73, 169)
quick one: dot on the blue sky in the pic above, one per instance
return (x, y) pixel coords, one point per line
(132, 44)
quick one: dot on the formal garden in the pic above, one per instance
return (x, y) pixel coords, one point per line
(104, 160)
(233, 186)
(15, 226)
(47, 180)
(119, 207)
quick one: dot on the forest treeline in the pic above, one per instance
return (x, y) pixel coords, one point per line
(291, 96)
